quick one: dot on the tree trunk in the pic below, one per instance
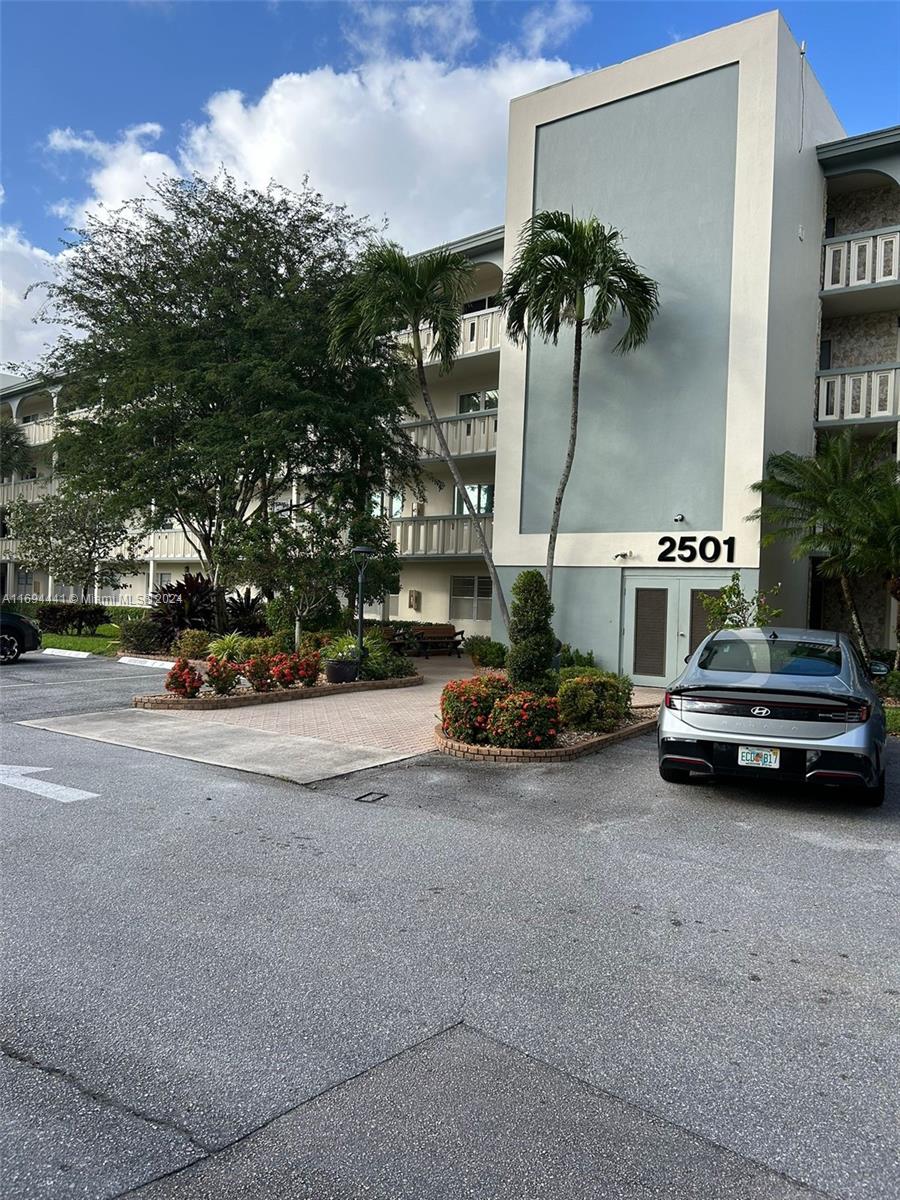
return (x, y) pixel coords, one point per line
(570, 455)
(457, 479)
(855, 621)
(894, 592)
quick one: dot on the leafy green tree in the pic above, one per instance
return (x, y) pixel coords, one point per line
(82, 539)
(876, 537)
(732, 608)
(391, 293)
(198, 380)
(15, 453)
(821, 502)
(573, 271)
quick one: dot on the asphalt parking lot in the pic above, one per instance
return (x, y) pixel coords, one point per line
(436, 980)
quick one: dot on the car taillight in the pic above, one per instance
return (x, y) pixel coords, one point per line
(858, 714)
(672, 701)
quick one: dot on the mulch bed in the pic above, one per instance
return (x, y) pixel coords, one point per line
(244, 697)
(569, 745)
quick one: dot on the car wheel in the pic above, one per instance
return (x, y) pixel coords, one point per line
(674, 775)
(9, 648)
(874, 797)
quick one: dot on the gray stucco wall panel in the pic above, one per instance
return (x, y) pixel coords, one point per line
(652, 423)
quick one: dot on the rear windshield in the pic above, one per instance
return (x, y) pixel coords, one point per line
(771, 657)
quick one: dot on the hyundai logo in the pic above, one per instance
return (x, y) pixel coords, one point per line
(759, 711)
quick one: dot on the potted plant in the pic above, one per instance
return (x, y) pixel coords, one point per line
(342, 660)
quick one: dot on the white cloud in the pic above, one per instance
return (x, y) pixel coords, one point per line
(548, 25)
(445, 28)
(23, 265)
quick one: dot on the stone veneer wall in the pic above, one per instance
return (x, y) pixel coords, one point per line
(872, 208)
(871, 597)
(862, 340)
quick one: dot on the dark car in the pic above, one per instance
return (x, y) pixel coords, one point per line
(18, 635)
(794, 704)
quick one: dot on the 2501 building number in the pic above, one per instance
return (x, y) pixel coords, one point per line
(688, 549)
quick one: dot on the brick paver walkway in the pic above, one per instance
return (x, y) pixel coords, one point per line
(401, 720)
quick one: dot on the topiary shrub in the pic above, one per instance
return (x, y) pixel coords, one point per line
(221, 675)
(192, 643)
(532, 641)
(466, 706)
(524, 721)
(484, 652)
(184, 680)
(595, 701)
(258, 673)
(142, 636)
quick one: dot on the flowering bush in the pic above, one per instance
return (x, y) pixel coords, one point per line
(221, 675)
(290, 669)
(183, 680)
(258, 673)
(524, 721)
(466, 706)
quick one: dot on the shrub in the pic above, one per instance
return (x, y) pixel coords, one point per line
(258, 673)
(594, 700)
(466, 706)
(189, 603)
(484, 652)
(192, 643)
(343, 649)
(889, 685)
(532, 641)
(524, 721)
(265, 647)
(288, 670)
(247, 614)
(71, 617)
(381, 662)
(221, 675)
(142, 636)
(184, 680)
(230, 647)
(568, 657)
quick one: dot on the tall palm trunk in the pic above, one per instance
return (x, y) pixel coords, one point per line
(570, 455)
(457, 479)
(855, 620)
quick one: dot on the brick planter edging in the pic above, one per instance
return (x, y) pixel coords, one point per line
(516, 758)
(245, 697)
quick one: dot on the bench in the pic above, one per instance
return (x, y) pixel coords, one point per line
(438, 639)
(397, 639)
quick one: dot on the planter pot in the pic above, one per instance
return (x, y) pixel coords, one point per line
(338, 670)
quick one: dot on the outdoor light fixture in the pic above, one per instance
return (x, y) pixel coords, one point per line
(361, 556)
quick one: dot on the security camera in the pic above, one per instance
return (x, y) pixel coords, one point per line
(678, 518)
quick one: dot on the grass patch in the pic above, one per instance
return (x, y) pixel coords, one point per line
(106, 641)
(893, 720)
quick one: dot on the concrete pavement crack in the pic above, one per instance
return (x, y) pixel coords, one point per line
(102, 1098)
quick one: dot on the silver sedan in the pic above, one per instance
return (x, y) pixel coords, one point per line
(791, 704)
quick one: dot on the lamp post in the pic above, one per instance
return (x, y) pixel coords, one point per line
(361, 556)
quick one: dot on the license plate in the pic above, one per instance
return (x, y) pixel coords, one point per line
(758, 756)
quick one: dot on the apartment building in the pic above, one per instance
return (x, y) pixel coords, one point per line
(775, 240)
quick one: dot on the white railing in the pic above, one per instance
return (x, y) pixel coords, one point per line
(430, 537)
(871, 257)
(479, 331)
(170, 544)
(471, 433)
(25, 489)
(859, 393)
(39, 433)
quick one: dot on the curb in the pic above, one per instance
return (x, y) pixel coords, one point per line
(518, 758)
(67, 653)
(246, 697)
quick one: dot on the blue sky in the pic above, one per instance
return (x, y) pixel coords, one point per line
(398, 109)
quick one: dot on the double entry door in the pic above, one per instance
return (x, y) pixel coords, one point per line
(664, 620)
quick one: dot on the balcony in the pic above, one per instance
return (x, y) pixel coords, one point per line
(25, 489)
(468, 436)
(861, 273)
(858, 394)
(170, 544)
(439, 537)
(479, 334)
(39, 433)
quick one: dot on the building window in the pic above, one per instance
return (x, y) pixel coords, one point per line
(387, 504)
(825, 354)
(480, 305)
(472, 402)
(481, 495)
(393, 603)
(829, 227)
(24, 580)
(470, 597)
(29, 473)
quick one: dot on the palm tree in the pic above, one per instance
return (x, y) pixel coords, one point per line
(876, 536)
(818, 502)
(15, 452)
(573, 271)
(392, 292)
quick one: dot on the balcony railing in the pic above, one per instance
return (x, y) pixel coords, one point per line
(471, 433)
(39, 433)
(437, 537)
(170, 544)
(870, 257)
(859, 393)
(479, 332)
(25, 489)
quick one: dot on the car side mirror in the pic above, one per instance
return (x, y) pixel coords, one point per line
(687, 658)
(878, 670)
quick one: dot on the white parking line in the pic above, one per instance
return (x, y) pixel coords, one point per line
(18, 777)
(4, 687)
